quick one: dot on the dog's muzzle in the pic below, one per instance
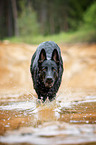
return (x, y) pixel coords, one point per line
(49, 82)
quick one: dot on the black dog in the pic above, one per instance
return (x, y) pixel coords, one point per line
(46, 70)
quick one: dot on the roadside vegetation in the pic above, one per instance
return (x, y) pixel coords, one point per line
(79, 27)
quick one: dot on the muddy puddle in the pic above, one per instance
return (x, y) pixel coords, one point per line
(67, 120)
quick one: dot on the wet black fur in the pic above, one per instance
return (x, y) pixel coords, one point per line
(46, 62)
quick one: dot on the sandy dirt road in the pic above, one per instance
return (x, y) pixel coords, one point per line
(79, 67)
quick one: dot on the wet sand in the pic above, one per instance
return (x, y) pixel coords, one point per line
(69, 119)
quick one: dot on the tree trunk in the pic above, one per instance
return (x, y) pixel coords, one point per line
(65, 22)
(43, 16)
(51, 18)
(9, 20)
(14, 8)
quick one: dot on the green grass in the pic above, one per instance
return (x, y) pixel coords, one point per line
(87, 35)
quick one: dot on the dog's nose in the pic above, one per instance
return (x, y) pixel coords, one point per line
(49, 80)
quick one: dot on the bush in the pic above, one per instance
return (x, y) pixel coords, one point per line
(90, 16)
(27, 23)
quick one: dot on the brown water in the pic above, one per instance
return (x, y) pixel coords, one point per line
(70, 119)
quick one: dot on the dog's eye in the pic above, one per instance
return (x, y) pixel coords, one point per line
(53, 69)
(44, 69)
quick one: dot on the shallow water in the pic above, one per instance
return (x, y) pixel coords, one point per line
(70, 119)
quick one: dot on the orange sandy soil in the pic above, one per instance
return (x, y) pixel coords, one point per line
(79, 67)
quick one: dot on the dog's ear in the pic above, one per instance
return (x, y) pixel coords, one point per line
(42, 56)
(55, 56)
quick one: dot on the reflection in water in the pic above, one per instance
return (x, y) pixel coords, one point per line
(62, 121)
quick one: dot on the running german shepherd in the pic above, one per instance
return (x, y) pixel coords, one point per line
(46, 70)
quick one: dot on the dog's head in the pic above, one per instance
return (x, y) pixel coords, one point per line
(48, 69)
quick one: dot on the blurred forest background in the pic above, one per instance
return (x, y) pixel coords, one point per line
(34, 21)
